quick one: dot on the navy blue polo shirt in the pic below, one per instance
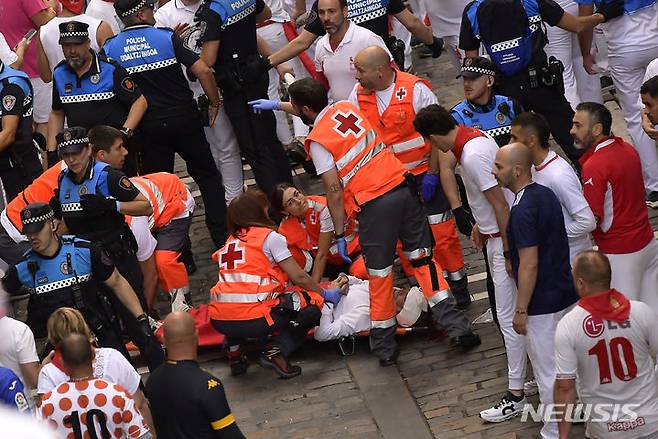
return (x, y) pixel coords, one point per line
(536, 220)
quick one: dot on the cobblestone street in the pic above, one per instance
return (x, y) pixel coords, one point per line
(435, 391)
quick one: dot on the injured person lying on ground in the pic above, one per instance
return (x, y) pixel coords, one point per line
(351, 315)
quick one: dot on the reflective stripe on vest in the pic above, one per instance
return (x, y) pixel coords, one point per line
(153, 195)
(152, 66)
(416, 142)
(244, 277)
(357, 149)
(52, 286)
(365, 159)
(243, 298)
(383, 324)
(413, 165)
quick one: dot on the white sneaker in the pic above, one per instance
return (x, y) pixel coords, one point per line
(504, 410)
(178, 302)
(530, 388)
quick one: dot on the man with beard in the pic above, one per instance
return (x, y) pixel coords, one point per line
(613, 187)
(89, 90)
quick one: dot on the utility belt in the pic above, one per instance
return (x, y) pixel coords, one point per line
(120, 243)
(239, 72)
(549, 75)
(396, 47)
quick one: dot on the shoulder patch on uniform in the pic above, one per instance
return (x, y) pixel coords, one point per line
(212, 383)
(8, 102)
(21, 402)
(125, 183)
(128, 84)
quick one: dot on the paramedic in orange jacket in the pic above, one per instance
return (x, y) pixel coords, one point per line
(390, 100)
(251, 299)
(309, 230)
(362, 177)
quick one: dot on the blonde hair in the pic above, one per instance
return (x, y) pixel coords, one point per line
(64, 322)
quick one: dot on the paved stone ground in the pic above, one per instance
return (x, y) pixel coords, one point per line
(435, 391)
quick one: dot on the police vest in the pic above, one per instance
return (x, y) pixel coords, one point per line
(359, 11)
(167, 195)
(396, 124)
(494, 119)
(519, 18)
(248, 284)
(51, 282)
(306, 234)
(366, 167)
(93, 88)
(232, 11)
(11, 76)
(142, 48)
(104, 226)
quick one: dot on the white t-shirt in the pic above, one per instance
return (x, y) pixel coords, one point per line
(556, 174)
(108, 364)
(7, 56)
(338, 66)
(146, 243)
(632, 32)
(477, 162)
(602, 355)
(279, 14)
(275, 248)
(49, 36)
(16, 345)
(422, 97)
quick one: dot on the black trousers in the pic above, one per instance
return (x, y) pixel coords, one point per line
(184, 135)
(256, 134)
(16, 177)
(548, 102)
(125, 261)
(286, 335)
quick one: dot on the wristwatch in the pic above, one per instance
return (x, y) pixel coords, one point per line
(128, 132)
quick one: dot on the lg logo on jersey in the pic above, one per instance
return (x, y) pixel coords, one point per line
(594, 327)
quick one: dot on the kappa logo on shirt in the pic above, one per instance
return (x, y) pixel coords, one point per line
(589, 181)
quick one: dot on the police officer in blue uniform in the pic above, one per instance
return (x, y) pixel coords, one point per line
(482, 109)
(512, 33)
(90, 90)
(19, 162)
(229, 45)
(93, 199)
(70, 271)
(172, 124)
(12, 391)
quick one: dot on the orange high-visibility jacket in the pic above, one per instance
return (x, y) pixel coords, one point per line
(306, 235)
(41, 189)
(248, 283)
(396, 125)
(366, 167)
(167, 194)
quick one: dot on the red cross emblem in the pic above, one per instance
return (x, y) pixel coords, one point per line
(231, 256)
(592, 326)
(401, 93)
(346, 123)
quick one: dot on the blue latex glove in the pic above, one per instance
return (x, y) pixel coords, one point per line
(264, 104)
(428, 186)
(332, 296)
(341, 244)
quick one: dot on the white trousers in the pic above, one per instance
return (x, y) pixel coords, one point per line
(505, 289)
(276, 38)
(226, 152)
(579, 86)
(627, 70)
(540, 343)
(636, 274)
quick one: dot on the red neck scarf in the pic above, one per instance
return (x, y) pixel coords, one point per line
(464, 135)
(610, 305)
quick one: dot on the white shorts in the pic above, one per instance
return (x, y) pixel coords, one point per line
(43, 100)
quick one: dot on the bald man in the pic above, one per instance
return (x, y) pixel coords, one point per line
(187, 402)
(390, 100)
(608, 343)
(539, 255)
